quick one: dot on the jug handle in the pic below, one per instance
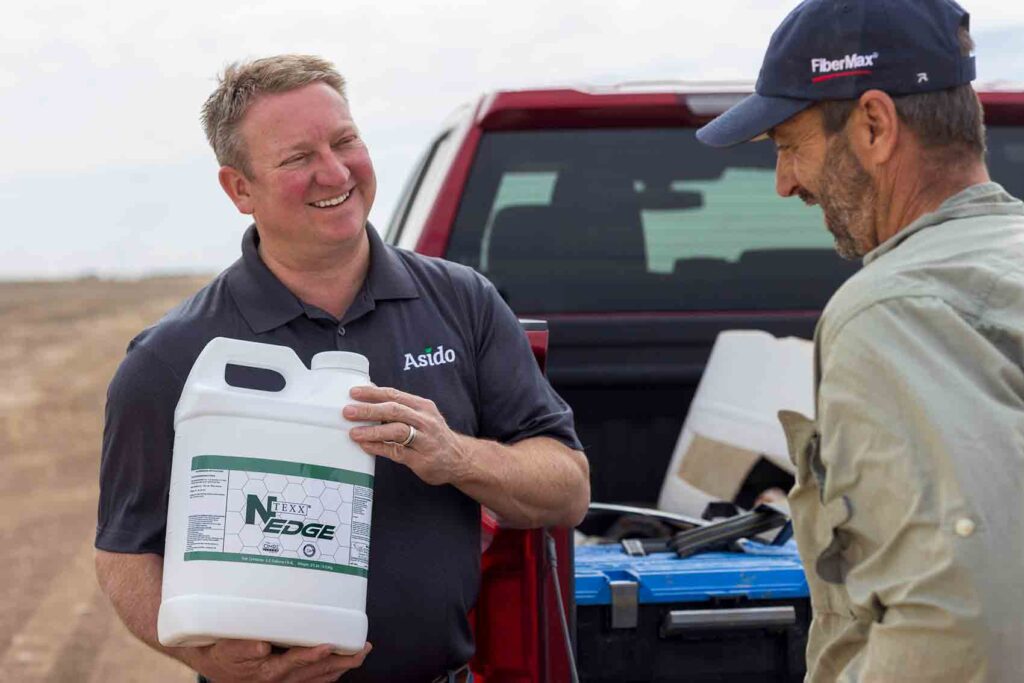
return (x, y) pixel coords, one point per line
(222, 351)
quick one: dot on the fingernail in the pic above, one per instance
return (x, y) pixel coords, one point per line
(350, 411)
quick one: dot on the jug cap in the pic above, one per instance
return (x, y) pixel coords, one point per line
(341, 360)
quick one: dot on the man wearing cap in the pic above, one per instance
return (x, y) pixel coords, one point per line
(907, 504)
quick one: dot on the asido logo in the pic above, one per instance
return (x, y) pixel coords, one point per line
(430, 356)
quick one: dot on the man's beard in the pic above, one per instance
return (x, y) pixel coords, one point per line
(847, 197)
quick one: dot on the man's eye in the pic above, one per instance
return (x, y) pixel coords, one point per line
(294, 159)
(341, 142)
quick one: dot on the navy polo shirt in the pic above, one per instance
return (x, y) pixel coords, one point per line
(425, 549)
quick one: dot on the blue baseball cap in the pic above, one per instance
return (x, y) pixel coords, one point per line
(837, 49)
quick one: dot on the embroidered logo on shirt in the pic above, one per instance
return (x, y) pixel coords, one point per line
(430, 356)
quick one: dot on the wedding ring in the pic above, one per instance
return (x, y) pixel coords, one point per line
(409, 439)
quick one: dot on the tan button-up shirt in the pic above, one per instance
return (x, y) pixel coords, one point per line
(908, 506)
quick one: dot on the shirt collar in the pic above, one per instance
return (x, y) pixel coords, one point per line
(266, 303)
(388, 277)
(976, 200)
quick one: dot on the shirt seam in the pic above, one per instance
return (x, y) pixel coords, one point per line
(476, 335)
(998, 279)
(144, 348)
(834, 331)
(975, 317)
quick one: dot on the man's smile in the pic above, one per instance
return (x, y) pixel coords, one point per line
(328, 203)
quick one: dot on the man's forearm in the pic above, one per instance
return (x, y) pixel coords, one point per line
(535, 482)
(133, 584)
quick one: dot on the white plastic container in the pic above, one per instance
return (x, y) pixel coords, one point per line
(733, 418)
(268, 521)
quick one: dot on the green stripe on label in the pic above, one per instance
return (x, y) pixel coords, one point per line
(294, 469)
(276, 561)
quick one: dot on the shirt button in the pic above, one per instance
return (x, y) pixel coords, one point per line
(341, 331)
(964, 527)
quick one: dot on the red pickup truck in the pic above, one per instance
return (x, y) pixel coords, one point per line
(598, 211)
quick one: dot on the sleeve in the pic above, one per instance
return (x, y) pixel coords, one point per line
(902, 405)
(135, 468)
(516, 401)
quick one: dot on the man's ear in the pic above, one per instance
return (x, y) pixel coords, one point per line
(875, 130)
(237, 187)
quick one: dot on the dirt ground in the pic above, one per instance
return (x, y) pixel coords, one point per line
(59, 345)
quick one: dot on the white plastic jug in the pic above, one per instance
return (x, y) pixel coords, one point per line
(268, 520)
(733, 418)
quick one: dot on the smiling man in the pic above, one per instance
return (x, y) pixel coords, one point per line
(907, 505)
(475, 424)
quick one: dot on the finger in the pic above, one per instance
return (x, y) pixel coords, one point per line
(391, 451)
(370, 394)
(392, 431)
(342, 663)
(296, 658)
(330, 677)
(330, 668)
(242, 650)
(326, 678)
(384, 412)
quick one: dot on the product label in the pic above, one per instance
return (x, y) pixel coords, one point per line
(283, 513)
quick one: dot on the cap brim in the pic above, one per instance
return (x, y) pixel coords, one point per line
(749, 119)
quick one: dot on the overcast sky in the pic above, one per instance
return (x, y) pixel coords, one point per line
(105, 168)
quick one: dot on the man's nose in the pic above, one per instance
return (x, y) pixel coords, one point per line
(332, 169)
(785, 180)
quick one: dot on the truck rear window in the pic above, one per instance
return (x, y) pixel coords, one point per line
(640, 220)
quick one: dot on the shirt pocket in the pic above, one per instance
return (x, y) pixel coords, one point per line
(804, 450)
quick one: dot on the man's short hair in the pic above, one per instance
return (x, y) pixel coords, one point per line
(949, 123)
(242, 83)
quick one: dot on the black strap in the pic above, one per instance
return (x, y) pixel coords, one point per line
(721, 535)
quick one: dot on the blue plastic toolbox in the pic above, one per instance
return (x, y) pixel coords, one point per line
(736, 616)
